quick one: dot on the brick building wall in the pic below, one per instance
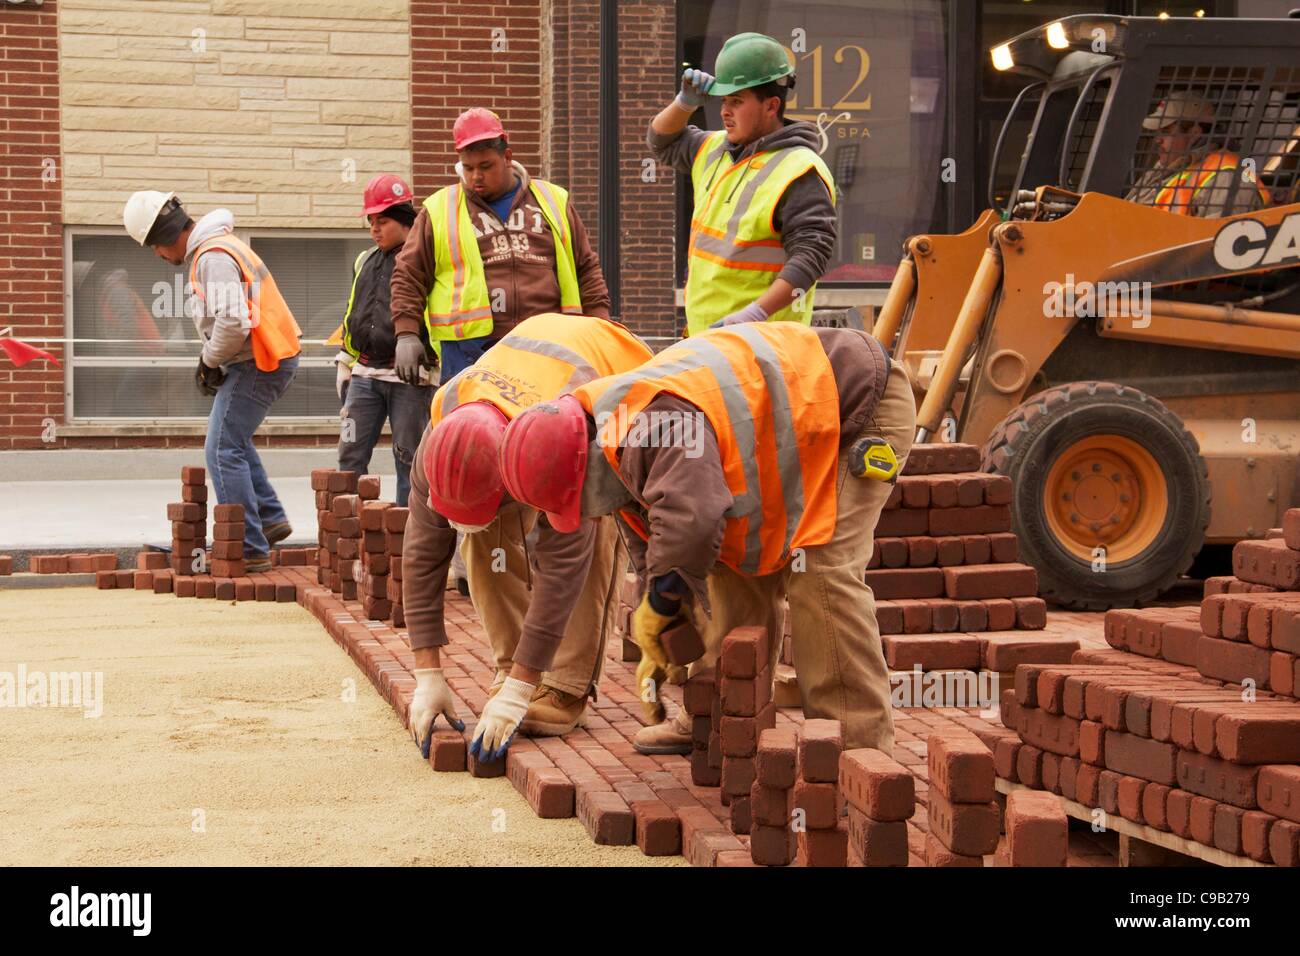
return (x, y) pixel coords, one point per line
(31, 245)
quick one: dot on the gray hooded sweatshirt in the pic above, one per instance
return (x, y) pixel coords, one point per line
(805, 215)
(221, 316)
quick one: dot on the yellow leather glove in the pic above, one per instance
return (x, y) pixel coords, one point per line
(647, 625)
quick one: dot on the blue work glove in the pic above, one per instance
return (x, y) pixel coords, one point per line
(750, 313)
(695, 89)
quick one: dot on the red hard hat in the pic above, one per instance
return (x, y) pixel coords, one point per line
(544, 460)
(385, 190)
(461, 462)
(476, 124)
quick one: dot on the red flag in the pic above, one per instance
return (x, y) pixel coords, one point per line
(20, 353)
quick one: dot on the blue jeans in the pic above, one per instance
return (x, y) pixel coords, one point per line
(460, 354)
(369, 403)
(237, 474)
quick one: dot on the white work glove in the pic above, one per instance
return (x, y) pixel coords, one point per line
(500, 719)
(750, 313)
(695, 89)
(432, 697)
(341, 378)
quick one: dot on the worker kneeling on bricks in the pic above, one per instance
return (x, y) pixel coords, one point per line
(549, 643)
(767, 487)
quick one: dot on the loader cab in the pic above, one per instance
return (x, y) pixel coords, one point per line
(1102, 89)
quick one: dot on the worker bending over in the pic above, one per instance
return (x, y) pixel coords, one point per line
(718, 526)
(547, 619)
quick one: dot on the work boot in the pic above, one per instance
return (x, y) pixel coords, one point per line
(670, 737)
(553, 712)
(275, 533)
(256, 563)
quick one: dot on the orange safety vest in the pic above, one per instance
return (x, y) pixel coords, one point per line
(272, 327)
(540, 359)
(1180, 190)
(769, 392)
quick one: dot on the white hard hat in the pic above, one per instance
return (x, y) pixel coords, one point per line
(142, 211)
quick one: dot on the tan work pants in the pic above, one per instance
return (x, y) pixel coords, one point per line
(838, 655)
(497, 567)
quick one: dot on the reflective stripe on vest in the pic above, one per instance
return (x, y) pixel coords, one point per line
(541, 359)
(274, 332)
(735, 250)
(459, 306)
(1180, 191)
(769, 394)
(362, 256)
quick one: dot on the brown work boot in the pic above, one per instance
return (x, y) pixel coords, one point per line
(275, 533)
(670, 737)
(256, 563)
(553, 712)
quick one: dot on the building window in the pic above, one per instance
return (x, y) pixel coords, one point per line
(871, 76)
(134, 349)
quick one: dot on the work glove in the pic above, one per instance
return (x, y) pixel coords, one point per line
(648, 623)
(432, 697)
(410, 356)
(500, 719)
(695, 89)
(750, 313)
(207, 378)
(341, 379)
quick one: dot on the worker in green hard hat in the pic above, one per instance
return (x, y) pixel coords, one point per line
(764, 224)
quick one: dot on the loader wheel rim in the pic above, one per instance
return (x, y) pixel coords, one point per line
(1105, 491)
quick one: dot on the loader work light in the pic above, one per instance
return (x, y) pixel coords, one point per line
(1002, 59)
(1056, 37)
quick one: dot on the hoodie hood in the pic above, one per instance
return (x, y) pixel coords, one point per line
(793, 133)
(216, 223)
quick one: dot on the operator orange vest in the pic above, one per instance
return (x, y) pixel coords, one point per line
(1180, 190)
(539, 360)
(769, 392)
(272, 327)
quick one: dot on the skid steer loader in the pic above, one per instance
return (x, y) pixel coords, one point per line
(1121, 335)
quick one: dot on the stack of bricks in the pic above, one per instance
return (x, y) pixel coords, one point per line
(628, 598)
(881, 797)
(1161, 745)
(329, 483)
(747, 709)
(346, 511)
(96, 564)
(771, 837)
(228, 541)
(146, 561)
(823, 839)
(701, 701)
(963, 816)
(946, 573)
(394, 525)
(189, 518)
(370, 569)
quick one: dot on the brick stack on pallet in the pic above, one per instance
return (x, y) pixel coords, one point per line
(394, 530)
(1162, 745)
(824, 838)
(771, 838)
(372, 567)
(881, 797)
(963, 816)
(745, 702)
(328, 483)
(228, 541)
(946, 574)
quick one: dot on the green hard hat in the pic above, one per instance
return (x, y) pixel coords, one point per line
(749, 59)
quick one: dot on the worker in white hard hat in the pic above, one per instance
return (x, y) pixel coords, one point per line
(250, 351)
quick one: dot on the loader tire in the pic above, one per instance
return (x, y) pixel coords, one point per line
(1111, 497)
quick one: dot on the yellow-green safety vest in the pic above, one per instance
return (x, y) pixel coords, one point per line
(459, 306)
(362, 256)
(735, 251)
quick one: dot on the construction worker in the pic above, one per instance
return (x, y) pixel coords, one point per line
(548, 645)
(367, 384)
(1190, 176)
(727, 458)
(249, 357)
(764, 224)
(488, 252)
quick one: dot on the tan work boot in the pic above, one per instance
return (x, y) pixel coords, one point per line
(670, 737)
(553, 712)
